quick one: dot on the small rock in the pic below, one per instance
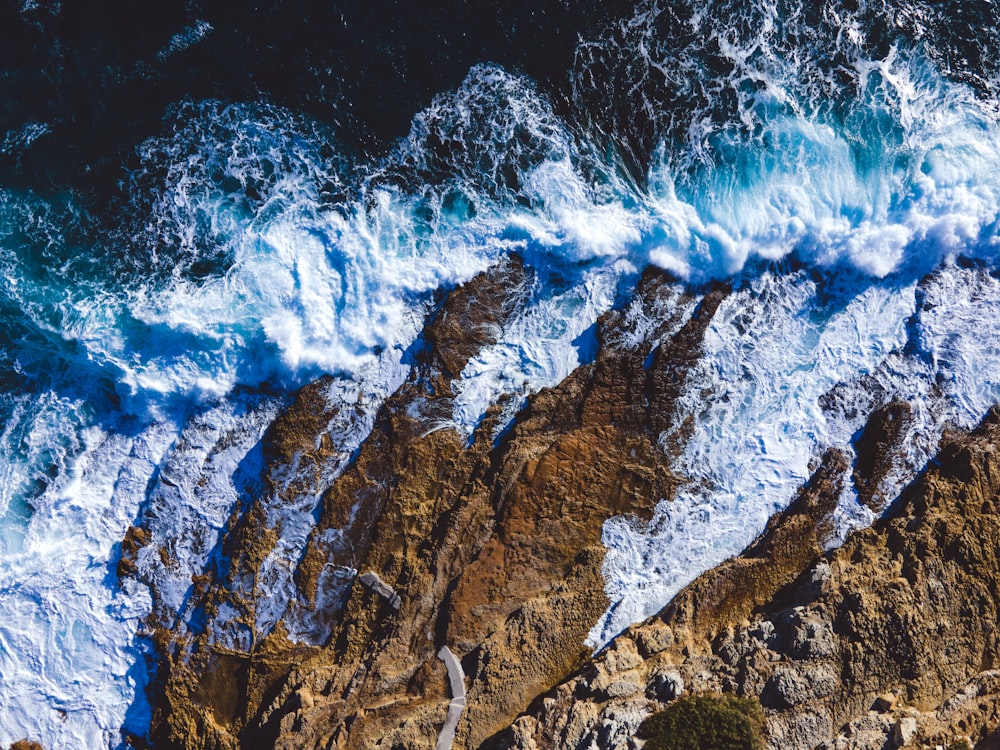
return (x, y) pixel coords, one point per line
(126, 567)
(792, 729)
(305, 697)
(523, 731)
(373, 582)
(794, 685)
(871, 730)
(904, 731)
(582, 718)
(665, 687)
(622, 655)
(811, 637)
(617, 727)
(764, 631)
(654, 638)
(784, 689)
(822, 572)
(625, 685)
(704, 681)
(884, 703)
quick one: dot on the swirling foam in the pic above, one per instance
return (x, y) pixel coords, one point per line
(252, 257)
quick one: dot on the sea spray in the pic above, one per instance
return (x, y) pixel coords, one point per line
(824, 160)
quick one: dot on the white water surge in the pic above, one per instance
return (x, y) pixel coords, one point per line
(150, 393)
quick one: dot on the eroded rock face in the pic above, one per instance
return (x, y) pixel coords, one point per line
(889, 641)
(489, 545)
(880, 439)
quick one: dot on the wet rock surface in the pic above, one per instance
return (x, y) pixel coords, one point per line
(489, 545)
(876, 445)
(887, 641)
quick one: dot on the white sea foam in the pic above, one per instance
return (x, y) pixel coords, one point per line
(15, 142)
(536, 349)
(802, 190)
(185, 38)
(68, 654)
(307, 277)
(193, 495)
(767, 360)
(290, 512)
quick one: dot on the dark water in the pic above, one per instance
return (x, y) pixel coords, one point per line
(102, 74)
(203, 206)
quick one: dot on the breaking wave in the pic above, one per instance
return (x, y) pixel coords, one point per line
(841, 170)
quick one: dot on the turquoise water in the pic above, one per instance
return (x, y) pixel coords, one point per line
(143, 353)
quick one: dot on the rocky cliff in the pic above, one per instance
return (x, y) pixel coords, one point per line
(888, 641)
(443, 563)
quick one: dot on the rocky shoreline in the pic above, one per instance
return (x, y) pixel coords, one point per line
(888, 641)
(489, 546)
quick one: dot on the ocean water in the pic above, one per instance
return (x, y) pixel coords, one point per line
(181, 251)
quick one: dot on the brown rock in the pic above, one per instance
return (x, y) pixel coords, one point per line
(905, 731)
(885, 703)
(905, 608)
(490, 547)
(880, 440)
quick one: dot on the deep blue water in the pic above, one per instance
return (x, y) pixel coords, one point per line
(204, 206)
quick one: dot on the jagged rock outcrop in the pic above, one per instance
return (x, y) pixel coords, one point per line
(490, 545)
(876, 445)
(888, 641)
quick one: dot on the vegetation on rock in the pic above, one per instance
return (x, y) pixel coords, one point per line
(706, 722)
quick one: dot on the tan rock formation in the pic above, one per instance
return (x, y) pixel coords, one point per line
(489, 546)
(889, 641)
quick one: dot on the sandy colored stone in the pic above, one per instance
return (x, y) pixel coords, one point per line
(491, 547)
(889, 640)
(488, 546)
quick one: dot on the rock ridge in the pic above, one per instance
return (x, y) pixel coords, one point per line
(888, 641)
(486, 548)
(489, 546)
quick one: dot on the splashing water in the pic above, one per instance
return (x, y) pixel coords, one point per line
(822, 164)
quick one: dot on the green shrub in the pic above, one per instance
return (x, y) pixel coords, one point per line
(706, 722)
